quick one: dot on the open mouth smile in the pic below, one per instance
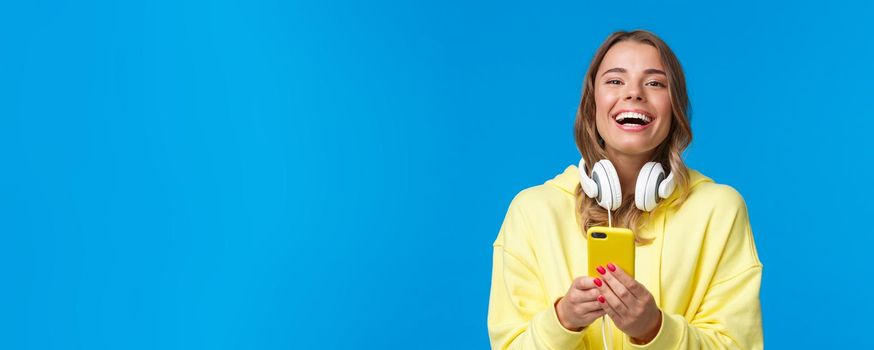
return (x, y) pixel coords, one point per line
(636, 120)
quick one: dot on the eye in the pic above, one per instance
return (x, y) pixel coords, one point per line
(612, 80)
(657, 83)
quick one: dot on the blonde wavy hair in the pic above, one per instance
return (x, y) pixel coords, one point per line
(669, 153)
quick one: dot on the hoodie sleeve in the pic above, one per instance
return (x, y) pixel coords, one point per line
(729, 316)
(520, 315)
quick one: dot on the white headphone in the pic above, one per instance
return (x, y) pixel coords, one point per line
(652, 185)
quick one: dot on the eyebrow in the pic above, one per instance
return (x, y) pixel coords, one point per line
(623, 70)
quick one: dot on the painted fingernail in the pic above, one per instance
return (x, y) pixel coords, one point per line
(601, 299)
(597, 281)
(601, 270)
(611, 267)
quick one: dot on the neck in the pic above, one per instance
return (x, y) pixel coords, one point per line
(628, 166)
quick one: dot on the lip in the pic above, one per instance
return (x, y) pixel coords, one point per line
(630, 127)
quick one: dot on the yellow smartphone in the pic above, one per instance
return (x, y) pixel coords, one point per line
(610, 244)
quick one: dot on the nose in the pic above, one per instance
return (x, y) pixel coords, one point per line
(633, 93)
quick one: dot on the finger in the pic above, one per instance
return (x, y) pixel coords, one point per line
(619, 289)
(588, 307)
(584, 283)
(576, 296)
(613, 300)
(592, 294)
(608, 309)
(629, 282)
(594, 314)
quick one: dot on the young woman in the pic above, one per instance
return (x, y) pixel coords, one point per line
(697, 271)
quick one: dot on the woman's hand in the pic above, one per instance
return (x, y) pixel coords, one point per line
(579, 307)
(630, 306)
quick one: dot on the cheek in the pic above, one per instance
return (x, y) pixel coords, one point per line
(603, 103)
(663, 104)
(664, 128)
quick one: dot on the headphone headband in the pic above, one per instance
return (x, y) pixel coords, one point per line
(652, 185)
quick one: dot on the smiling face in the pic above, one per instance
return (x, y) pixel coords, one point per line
(632, 103)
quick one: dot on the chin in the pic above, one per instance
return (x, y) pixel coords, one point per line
(635, 148)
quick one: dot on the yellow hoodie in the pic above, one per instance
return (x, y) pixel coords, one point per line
(701, 268)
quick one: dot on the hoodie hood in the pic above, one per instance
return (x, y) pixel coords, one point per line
(568, 181)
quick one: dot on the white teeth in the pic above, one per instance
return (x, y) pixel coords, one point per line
(624, 115)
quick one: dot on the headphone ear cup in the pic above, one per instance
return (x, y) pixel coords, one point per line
(667, 187)
(640, 186)
(646, 189)
(590, 188)
(610, 192)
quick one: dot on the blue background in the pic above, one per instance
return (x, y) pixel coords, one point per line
(331, 174)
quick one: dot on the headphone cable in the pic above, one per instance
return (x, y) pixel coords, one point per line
(604, 322)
